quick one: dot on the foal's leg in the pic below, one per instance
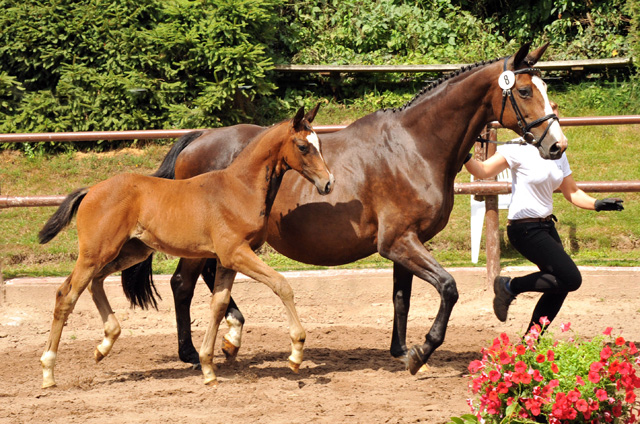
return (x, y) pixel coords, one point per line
(408, 251)
(244, 260)
(66, 297)
(235, 321)
(131, 253)
(183, 283)
(219, 303)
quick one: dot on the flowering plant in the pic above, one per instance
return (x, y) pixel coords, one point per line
(541, 380)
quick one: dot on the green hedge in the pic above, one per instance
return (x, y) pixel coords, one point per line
(145, 64)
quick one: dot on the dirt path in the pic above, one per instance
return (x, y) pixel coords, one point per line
(347, 376)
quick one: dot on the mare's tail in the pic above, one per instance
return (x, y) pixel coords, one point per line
(63, 216)
(167, 167)
(137, 281)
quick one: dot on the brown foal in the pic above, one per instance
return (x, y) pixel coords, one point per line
(219, 214)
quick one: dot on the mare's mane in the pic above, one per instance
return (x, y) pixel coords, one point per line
(429, 88)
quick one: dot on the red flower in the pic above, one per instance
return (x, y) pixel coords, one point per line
(573, 396)
(520, 366)
(594, 377)
(620, 341)
(582, 406)
(475, 366)
(602, 395)
(540, 358)
(554, 368)
(605, 353)
(521, 350)
(505, 358)
(579, 381)
(550, 355)
(494, 376)
(632, 348)
(630, 397)
(607, 331)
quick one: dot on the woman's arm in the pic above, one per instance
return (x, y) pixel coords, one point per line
(573, 194)
(487, 169)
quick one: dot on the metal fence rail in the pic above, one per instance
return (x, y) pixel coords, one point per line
(489, 189)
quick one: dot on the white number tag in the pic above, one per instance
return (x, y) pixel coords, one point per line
(507, 80)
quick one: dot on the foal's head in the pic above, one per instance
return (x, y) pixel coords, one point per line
(522, 104)
(302, 151)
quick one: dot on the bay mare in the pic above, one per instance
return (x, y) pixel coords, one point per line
(221, 214)
(395, 171)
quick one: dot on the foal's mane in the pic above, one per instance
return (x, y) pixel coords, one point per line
(428, 89)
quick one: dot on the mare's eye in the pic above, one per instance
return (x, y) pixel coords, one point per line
(525, 91)
(304, 148)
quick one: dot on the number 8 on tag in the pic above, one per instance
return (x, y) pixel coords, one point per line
(507, 80)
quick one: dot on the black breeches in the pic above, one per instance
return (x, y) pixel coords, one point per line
(558, 275)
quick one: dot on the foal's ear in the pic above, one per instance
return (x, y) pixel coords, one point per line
(298, 118)
(519, 57)
(312, 113)
(533, 57)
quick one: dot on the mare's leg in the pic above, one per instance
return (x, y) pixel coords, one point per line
(66, 297)
(235, 321)
(244, 260)
(219, 303)
(408, 251)
(183, 283)
(132, 252)
(402, 283)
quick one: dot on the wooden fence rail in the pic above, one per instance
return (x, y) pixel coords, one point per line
(488, 189)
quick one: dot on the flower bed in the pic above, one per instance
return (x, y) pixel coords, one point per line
(543, 380)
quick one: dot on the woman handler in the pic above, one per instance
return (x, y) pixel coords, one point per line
(531, 228)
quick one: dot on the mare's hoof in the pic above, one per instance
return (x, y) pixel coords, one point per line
(294, 367)
(189, 356)
(424, 368)
(415, 359)
(229, 349)
(404, 359)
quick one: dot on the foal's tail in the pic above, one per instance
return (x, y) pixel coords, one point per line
(137, 281)
(167, 167)
(63, 216)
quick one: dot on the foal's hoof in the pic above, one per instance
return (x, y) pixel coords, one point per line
(415, 359)
(211, 382)
(48, 384)
(229, 349)
(98, 355)
(294, 367)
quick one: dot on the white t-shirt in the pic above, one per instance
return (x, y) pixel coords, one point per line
(533, 180)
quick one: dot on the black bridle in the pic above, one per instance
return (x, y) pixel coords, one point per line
(525, 127)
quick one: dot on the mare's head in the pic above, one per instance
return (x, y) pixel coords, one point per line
(522, 105)
(303, 153)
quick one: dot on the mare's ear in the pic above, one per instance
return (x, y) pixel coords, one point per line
(519, 57)
(295, 122)
(533, 57)
(312, 113)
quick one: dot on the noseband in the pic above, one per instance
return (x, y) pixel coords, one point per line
(507, 81)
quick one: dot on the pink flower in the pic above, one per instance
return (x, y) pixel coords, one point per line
(573, 396)
(475, 366)
(550, 355)
(544, 321)
(565, 326)
(579, 380)
(632, 348)
(520, 366)
(607, 331)
(605, 353)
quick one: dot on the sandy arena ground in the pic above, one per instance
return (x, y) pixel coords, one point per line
(347, 376)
